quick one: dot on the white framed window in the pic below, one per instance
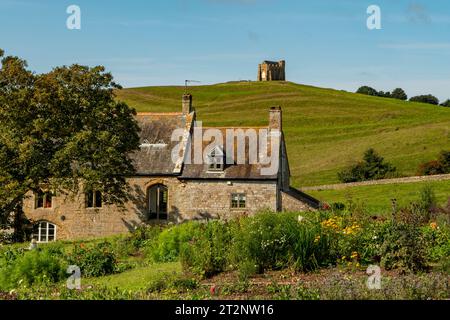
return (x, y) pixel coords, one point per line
(44, 231)
(238, 200)
(216, 159)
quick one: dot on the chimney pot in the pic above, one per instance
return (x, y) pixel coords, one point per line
(187, 103)
(275, 118)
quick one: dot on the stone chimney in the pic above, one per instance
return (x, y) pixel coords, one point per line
(187, 103)
(275, 118)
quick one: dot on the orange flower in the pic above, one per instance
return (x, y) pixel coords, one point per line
(434, 225)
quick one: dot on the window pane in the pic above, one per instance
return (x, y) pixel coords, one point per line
(98, 199)
(48, 200)
(234, 200)
(242, 199)
(163, 200)
(39, 200)
(90, 199)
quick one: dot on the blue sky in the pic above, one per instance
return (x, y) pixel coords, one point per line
(324, 42)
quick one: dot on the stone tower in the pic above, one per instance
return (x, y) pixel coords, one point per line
(272, 71)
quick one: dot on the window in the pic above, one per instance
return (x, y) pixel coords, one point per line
(157, 201)
(93, 199)
(216, 159)
(238, 200)
(43, 199)
(44, 231)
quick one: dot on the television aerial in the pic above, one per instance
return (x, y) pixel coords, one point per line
(186, 82)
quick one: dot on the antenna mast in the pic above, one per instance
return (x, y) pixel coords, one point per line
(186, 84)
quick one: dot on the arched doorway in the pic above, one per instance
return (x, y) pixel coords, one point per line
(44, 231)
(157, 196)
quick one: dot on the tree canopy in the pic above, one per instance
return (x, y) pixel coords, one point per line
(399, 93)
(62, 130)
(427, 98)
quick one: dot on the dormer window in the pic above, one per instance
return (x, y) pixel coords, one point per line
(216, 159)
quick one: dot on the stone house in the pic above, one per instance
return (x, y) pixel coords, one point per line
(272, 71)
(171, 189)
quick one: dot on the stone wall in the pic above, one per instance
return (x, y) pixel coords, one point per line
(187, 200)
(292, 204)
(438, 177)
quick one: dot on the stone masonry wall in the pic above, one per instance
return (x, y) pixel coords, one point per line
(186, 200)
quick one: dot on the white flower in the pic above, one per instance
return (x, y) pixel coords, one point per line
(300, 218)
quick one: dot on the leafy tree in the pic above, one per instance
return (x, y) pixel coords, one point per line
(446, 103)
(425, 99)
(62, 131)
(386, 94)
(399, 94)
(372, 167)
(367, 91)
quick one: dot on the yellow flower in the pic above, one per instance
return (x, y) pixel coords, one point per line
(317, 239)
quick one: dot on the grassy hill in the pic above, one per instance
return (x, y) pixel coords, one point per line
(325, 129)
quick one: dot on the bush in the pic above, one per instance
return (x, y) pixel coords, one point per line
(439, 166)
(19, 267)
(399, 94)
(166, 280)
(275, 241)
(446, 103)
(167, 246)
(207, 253)
(404, 245)
(428, 98)
(372, 167)
(96, 261)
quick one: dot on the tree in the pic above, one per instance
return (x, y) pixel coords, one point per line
(446, 103)
(62, 131)
(367, 91)
(386, 94)
(428, 98)
(399, 93)
(372, 167)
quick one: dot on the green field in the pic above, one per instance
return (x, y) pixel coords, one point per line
(325, 129)
(376, 199)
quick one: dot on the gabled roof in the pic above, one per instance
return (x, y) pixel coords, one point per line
(231, 171)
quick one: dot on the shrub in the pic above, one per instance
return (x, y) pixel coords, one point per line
(167, 246)
(427, 201)
(95, 261)
(18, 267)
(207, 253)
(167, 280)
(404, 245)
(446, 103)
(439, 166)
(275, 241)
(372, 167)
(428, 98)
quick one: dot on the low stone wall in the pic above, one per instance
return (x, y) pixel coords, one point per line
(439, 177)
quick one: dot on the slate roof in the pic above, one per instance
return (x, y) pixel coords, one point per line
(155, 155)
(231, 171)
